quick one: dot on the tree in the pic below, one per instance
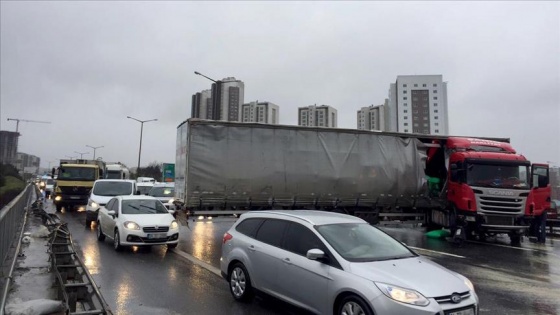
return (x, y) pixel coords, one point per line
(153, 170)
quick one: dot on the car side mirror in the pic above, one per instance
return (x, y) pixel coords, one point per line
(315, 254)
(112, 213)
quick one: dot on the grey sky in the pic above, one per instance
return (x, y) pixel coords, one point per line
(85, 66)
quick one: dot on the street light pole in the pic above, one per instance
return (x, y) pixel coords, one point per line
(94, 148)
(216, 92)
(141, 130)
(81, 154)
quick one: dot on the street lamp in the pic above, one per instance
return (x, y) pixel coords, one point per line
(94, 148)
(216, 92)
(141, 129)
(81, 154)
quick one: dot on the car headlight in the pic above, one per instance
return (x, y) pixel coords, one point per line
(174, 225)
(93, 204)
(42, 184)
(171, 200)
(57, 198)
(402, 295)
(131, 225)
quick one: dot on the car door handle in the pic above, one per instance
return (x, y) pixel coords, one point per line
(287, 261)
(252, 248)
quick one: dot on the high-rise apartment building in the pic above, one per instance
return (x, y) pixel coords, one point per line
(202, 105)
(418, 104)
(261, 112)
(8, 147)
(222, 102)
(372, 118)
(317, 116)
(26, 161)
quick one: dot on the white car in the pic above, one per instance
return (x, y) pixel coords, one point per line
(105, 189)
(164, 192)
(137, 221)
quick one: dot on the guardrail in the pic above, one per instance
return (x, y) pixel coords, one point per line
(11, 219)
(76, 287)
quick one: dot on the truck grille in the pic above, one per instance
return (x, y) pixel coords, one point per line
(74, 190)
(499, 220)
(501, 204)
(154, 229)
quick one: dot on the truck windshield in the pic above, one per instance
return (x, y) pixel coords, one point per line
(77, 173)
(498, 176)
(111, 188)
(114, 175)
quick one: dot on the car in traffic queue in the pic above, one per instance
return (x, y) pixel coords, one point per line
(103, 190)
(332, 263)
(144, 187)
(164, 192)
(137, 221)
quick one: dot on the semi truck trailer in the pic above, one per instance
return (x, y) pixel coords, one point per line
(479, 186)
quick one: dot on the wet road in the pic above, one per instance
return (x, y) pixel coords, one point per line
(508, 280)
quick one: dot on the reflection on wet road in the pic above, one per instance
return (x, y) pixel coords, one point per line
(509, 280)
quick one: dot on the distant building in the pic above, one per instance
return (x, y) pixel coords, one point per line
(317, 116)
(261, 112)
(202, 105)
(222, 102)
(418, 104)
(372, 118)
(26, 161)
(8, 147)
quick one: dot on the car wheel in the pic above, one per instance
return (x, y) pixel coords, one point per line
(58, 208)
(171, 246)
(117, 241)
(240, 283)
(353, 305)
(100, 235)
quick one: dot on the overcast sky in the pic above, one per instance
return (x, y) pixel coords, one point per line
(85, 66)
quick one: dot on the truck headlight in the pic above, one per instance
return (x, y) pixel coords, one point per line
(57, 198)
(131, 225)
(402, 295)
(174, 225)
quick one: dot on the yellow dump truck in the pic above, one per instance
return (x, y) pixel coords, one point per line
(74, 182)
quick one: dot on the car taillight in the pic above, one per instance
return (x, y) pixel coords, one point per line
(227, 237)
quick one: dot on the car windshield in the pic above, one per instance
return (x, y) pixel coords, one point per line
(112, 188)
(143, 206)
(144, 189)
(77, 173)
(498, 176)
(162, 192)
(361, 242)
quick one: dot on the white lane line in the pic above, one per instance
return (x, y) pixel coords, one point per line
(505, 246)
(198, 262)
(436, 252)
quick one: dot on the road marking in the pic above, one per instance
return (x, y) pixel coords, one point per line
(436, 252)
(198, 262)
(506, 246)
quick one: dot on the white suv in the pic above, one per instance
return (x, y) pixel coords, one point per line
(164, 192)
(105, 189)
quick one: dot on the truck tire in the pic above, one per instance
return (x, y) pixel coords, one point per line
(515, 238)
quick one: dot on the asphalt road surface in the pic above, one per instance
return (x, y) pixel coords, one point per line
(521, 279)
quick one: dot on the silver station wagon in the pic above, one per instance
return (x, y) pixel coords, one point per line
(331, 263)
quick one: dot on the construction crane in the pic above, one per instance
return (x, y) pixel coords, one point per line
(25, 120)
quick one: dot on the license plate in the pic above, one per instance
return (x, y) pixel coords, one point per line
(157, 235)
(469, 311)
(74, 197)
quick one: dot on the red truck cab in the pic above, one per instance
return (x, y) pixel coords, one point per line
(491, 189)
